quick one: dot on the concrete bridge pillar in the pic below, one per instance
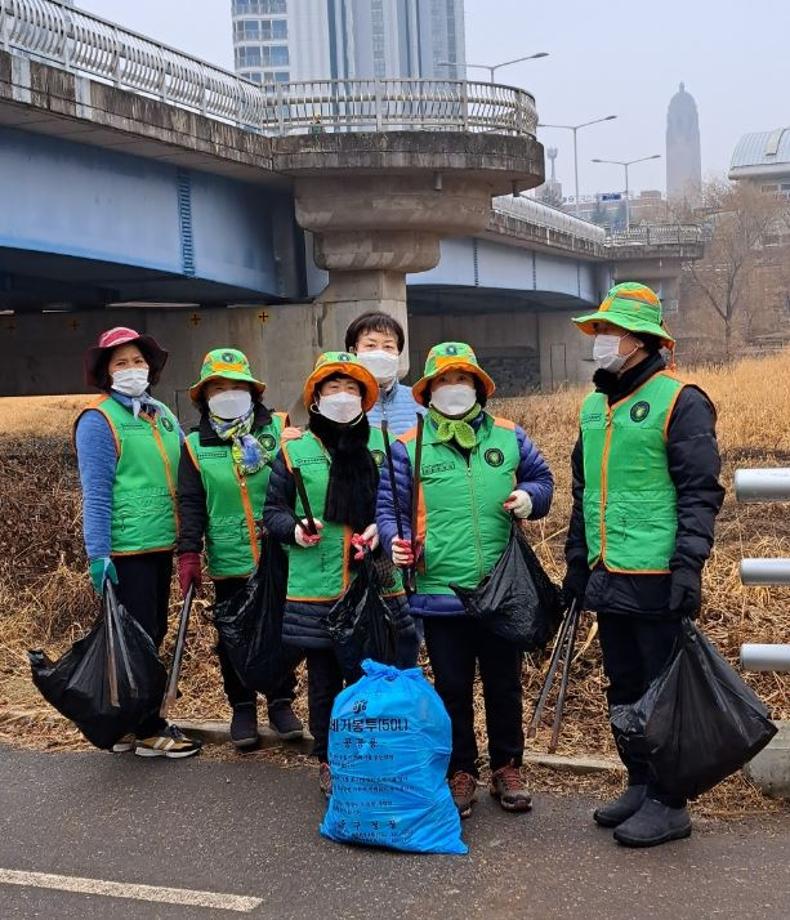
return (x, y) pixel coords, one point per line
(379, 204)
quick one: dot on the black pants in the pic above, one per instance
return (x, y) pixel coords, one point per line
(635, 650)
(236, 692)
(456, 644)
(144, 590)
(324, 682)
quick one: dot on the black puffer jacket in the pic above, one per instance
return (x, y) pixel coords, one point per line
(694, 465)
(305, 623)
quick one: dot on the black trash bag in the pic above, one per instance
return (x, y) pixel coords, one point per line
(78, 683)
(517, 601)
(362, 624)
(250, 624)
(698, 721)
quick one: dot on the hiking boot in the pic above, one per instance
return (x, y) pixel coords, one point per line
(244, 726)
(325, 779)
(124, 745)
(171, 742)
(614, 813)
(463, 787)
(653, 824)
(283, 721)
(507, 785)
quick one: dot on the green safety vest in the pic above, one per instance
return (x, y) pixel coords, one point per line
(322, 572)
(461, 523)
(234, 502)
(144, 509)
(630, 501)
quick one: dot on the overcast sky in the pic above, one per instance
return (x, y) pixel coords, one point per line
(623, 57)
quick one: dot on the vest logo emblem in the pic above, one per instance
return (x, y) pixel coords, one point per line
(640, 411)
(494, 457)
(167, 424)
(268, 442)
(378, 457)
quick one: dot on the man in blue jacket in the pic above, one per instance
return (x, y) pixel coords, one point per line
(476, 472)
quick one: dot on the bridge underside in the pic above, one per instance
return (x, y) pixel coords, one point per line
(463, 299)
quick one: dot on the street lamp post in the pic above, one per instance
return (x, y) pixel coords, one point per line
(625, 164)
(492, 69)
(576, 128)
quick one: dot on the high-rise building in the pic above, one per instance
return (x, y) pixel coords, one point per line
(290, 40)
(684, 158)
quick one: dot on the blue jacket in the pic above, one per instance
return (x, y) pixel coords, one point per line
(533, 475)
(398, 407)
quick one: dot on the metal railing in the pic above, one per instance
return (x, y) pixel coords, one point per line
(81, 42)
(656, 235)
(764, 485)
(542, 215)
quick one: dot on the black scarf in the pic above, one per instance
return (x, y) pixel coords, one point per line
(353, 474)
(618, 386)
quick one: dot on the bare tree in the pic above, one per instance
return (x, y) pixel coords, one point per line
(743, 221)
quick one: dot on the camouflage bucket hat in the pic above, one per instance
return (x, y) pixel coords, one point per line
(450, 356)
(631, 306)
(341, 362)
(225, 364)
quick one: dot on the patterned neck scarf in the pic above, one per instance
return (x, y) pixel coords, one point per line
(458, 429)
(246, 451)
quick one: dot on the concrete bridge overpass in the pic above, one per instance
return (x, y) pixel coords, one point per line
(143, 186)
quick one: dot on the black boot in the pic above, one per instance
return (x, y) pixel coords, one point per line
(283, 721)
(653, 824)
(244, 726)
(629, 803)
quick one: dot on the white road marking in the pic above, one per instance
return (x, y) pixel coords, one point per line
(208, 899)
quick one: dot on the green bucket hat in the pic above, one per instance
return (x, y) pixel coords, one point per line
(225, 364)
(631, 306)
(450, 356)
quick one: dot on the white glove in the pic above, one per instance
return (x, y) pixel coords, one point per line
(370, 535)
(305, 539)
(519, 503)
(402, 554)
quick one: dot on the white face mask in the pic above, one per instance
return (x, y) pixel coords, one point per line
(382, 364)
(606, 353)
(340, 407)
(454, 399)
(132, 381)
(230, 404)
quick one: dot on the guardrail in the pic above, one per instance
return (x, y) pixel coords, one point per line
(656, 235)
(78, 41)
(542, 215)
(761, 485)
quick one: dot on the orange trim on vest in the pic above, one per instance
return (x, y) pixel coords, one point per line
(192, 457)
(166, 461)
(505, 423)
(249, 516)
(96, 404)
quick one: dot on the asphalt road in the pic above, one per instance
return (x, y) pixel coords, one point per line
(251, 829)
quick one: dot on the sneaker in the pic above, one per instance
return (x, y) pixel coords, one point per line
(653, 824)
(463, 787)
(170, 742)
(325, 779)
(124, 745)
(283, 721)
(614, 813)
(507, 785)
(244, 726)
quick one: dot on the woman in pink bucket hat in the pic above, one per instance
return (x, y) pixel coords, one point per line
(128, 447)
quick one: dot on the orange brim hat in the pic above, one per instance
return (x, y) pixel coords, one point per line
(438, 363)
(341, 362)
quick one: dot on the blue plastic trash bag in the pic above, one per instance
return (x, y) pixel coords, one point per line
(389, 748)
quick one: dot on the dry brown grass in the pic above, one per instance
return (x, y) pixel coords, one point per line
(45, 598)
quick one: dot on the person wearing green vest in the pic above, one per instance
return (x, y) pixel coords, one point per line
(222, 479)
(338, 457)
(477, 473)
(646, 493)
(128, 444)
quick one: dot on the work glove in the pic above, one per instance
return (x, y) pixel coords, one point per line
(305, 539)
(189, 572)
(403, 553)
(685, 593)
(574, 585)
(100, 570)
(519, 504)
(368, 539)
